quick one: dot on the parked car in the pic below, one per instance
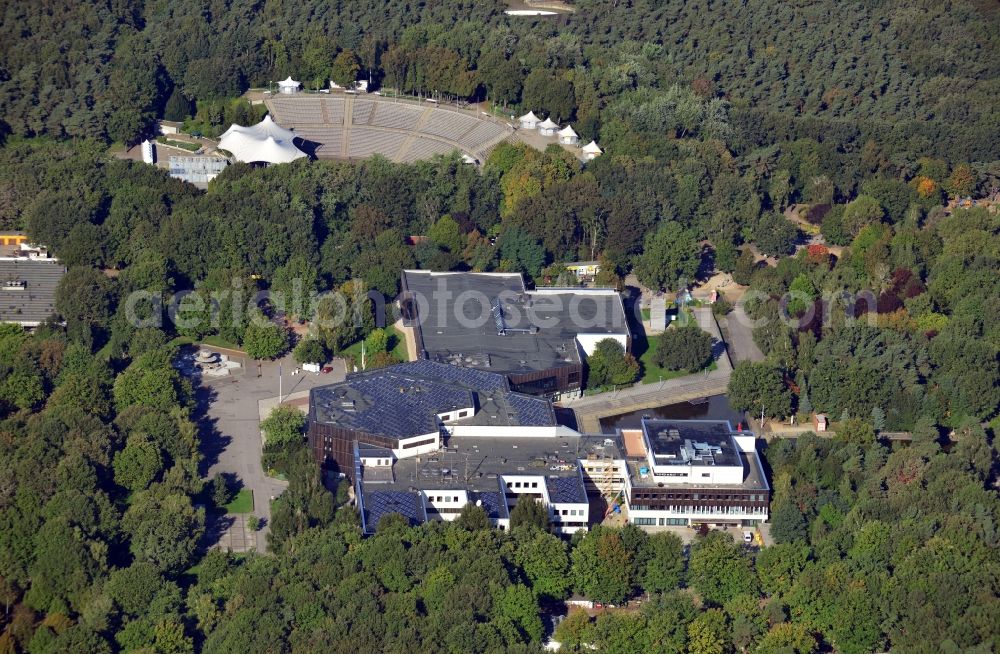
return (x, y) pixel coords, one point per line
(327, 370)
(748, 537)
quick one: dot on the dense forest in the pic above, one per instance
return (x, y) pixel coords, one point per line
(862, 120)
(902, 79)
(102, 510)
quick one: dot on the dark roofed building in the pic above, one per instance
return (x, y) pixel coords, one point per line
(490, 321)
(407, 409)
(28, 289)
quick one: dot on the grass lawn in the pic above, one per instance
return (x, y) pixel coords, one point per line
(646, 313)
(652, 373)
(183, 145)
(219, 342)
(242, 503)
(397, 346)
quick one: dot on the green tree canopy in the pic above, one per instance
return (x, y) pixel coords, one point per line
(670, 258)
(753, 386)
(284, 425)
(684, 348)
(610, 364)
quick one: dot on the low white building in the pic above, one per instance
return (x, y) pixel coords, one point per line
(289, 86)
(529, 120)
(547, 127)
(567, 136)
(591, 151)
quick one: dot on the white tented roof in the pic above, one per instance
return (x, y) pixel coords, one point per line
(567, 131)
(548, 124)
(268, 127)
(592, 148)
(529, 117)
(289, 82)
(262, 130)
(266, 141)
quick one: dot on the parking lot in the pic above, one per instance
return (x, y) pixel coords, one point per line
(231, 440)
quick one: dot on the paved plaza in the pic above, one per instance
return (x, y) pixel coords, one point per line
(231, 438)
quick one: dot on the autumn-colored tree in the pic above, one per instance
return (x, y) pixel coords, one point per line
(962, 181)
(926, 187)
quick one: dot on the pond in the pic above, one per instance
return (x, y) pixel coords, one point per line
(715, 407)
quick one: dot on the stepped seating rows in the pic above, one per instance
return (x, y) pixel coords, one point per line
(365, 142)
(328, 137)
(424, 130)
(362, 111)
(424, 149)
(449, 124)
(399, 116)
(334, 110)
(482, 134)
(291, 111)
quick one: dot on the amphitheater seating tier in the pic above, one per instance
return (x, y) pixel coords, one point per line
(424, 149)
(398, 130)
(397, 116)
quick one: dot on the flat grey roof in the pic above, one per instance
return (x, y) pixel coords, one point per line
(27, 290)
(475, 464)
(691, 442)
(405, 399)
(490, 320)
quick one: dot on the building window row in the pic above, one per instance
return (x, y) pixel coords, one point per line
(701, 510)
(662, 522)
(429, 441)
(753, 497)
(526, 484)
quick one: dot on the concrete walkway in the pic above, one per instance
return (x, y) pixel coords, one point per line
(739, 332)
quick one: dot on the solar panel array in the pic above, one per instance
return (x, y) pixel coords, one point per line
(531, 411)
(404, 400)
(380, 503)
(469, 378)
(566, 490)
(495, 504)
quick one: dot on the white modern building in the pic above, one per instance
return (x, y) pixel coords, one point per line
(694, 472)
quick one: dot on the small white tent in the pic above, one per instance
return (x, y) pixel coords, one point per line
(592, 150)
(547, 127)
(529, 120)
(289, 85)
(567, 136)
